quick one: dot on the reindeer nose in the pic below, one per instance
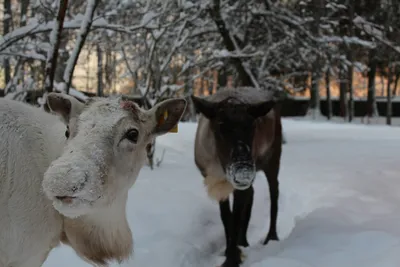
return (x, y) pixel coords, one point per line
(242, 148)
(64, 180)
(65, 199)
(241, 151)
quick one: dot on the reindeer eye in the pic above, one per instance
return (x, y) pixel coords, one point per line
(132, 135)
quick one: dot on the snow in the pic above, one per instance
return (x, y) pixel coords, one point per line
(148, 17)
(339, 204)
(53, 40)
(347, 40)
(187, 4)
(60, 87)
(172, 87)
(77, 94)
(225, 53)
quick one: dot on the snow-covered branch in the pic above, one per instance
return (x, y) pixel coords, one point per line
(34, 28)
(80, 42)
(52, 53)
(374, 32)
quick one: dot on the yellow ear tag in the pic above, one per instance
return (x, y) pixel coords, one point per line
(162, 119)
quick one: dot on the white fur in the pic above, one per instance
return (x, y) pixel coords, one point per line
(30, 140)
(217, 186)
(97, 166)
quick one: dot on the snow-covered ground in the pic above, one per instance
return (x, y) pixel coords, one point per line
(339, 204)
(381, 120)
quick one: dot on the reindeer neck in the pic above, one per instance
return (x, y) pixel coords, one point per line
(101, 237)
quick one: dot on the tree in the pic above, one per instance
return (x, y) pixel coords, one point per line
(55, 38)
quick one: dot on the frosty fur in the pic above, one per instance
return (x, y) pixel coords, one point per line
(94, 169)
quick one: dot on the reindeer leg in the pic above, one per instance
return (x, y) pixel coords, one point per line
(233, 253)
(246, 219)
(272, 171)
(226, 217)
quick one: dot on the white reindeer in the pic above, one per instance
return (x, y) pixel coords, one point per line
(68, 181)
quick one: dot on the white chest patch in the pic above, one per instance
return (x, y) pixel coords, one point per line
(218, 188)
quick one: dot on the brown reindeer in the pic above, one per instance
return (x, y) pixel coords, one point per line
(239, 133)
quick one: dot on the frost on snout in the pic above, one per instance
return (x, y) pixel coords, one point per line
(241, 174)
(73, 184)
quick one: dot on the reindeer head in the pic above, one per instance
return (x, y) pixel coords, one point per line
(233, 124)
(105, 149)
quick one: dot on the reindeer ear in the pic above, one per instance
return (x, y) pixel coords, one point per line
(167, 115)
(205, 107)
(260, 109)
(64, 105)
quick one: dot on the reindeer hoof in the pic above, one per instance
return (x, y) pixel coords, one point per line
(242, 256)
(230, 264)
(243, 243)
(271, 236)
(234, 261)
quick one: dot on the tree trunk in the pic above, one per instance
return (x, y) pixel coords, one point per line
(396, 81)
(215, 12)
(210, 82)
(62, 59)
(80, 42)
(6, 29)
(350, 58)
(389, 98)
(350, 87)
(389, 73)
(318, 6)
(24, 4)
(371, 101)
(222, 77)
(99, 70)
(24, 11)
(55, 36)
(133, 73)
(114, 72)
(343, 92)
(135, 83)
(342, 71)
(314, 98)
(328, 94)
(108, 69)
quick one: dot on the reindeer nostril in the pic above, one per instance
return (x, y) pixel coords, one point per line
(74, 188)
(65, 199)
